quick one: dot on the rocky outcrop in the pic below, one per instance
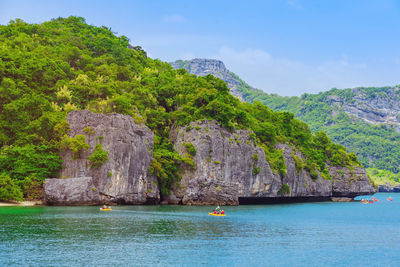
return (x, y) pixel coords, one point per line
(229, 166)
(379, 106)
(71, 191)
(203, 67)
(389, 188)
(123, 178)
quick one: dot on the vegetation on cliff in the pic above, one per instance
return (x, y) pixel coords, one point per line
(49, 69)
(377, 146)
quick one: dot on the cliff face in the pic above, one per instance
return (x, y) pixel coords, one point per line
(348, 116)
(381, 107)
(228, 167)
(203, 67)
(224, 171)
(121, 179)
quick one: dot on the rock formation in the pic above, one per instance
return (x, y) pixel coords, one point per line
(228, 167)
(123, 178)
(389, 188)
(224, 171)
(381, 107)
(203, 67)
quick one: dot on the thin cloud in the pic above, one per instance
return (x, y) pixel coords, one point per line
(294, 4)
(290, 77)
(174, 18)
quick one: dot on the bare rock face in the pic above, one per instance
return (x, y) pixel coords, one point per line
(203, 67)
(72, 191)
(350, 182)
(122, 179)
(382, 107)
(228, 166)
(300, 182)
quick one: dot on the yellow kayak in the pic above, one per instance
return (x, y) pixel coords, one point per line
(212, 214)
(105, 209)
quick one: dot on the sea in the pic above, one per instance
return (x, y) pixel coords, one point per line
(300, 234)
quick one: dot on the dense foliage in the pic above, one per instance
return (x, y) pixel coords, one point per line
(376, 146)
(384, 176)
(49, 69)
(98, 157)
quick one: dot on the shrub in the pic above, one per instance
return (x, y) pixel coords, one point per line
(313, 174)
(188, 160)
(76, 144)
(298, 162)
(88, 130)
(285, 190)
(8, 189)
(256, 170)
(190, 148)
(98, 157)
(311, 168)
(275, 159)
(166, 166)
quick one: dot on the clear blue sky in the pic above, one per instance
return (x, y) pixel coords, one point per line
(287, 47)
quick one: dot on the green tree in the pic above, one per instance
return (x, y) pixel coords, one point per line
(8, 189)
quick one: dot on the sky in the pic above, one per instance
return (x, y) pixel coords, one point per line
(288, 47)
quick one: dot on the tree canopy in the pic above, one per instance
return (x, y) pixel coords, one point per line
(49, 69)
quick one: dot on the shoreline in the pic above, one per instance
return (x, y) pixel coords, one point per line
(243, 202)
(22, 203)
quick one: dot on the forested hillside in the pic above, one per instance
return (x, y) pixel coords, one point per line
(49, 69)
(351, 118)
(365, 120)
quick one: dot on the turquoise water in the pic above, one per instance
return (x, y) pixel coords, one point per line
(305, 234)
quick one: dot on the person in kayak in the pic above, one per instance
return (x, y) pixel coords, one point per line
(217, 210)
(104, 207)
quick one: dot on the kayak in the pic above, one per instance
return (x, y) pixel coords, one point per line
(367, 201)
(105, 209)
(212, 214)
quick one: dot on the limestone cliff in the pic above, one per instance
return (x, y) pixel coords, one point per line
(121, 179)
(224, 171)
(373, 106)
(228, 167)
(203, 67)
